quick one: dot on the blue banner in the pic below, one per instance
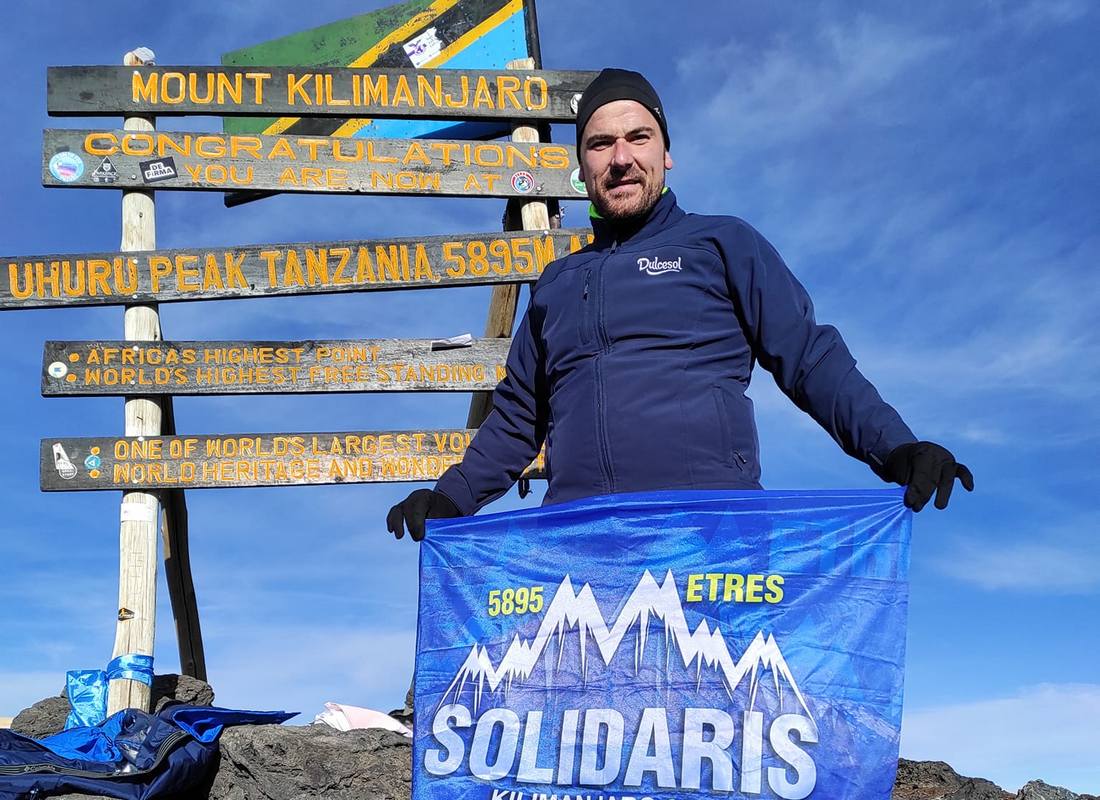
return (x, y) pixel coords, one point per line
(664, 645)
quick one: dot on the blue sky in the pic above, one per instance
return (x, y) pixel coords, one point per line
(927, 170)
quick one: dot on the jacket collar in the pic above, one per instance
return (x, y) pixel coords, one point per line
(608, 233)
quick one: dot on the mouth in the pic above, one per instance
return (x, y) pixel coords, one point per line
(622, 182)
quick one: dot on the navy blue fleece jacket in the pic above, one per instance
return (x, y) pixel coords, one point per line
(633, 358)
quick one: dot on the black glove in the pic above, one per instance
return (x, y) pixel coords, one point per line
(924, 468)
(413, 510)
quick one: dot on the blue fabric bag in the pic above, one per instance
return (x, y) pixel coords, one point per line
(664, 645)
(130, 755)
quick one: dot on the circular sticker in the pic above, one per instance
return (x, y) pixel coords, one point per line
(67, 470)
(57, 369)
(66, 166)
(576, 182)
(92, 462)
(523, 181)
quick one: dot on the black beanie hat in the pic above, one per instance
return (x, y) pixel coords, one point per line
(618, 84)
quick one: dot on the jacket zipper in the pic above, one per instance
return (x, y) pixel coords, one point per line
(169, 742)
(586, 317)
(730, 453)
(604, 444)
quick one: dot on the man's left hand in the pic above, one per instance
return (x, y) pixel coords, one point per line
(924, 468)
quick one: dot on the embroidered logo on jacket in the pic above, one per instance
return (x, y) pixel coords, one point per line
(651, 266)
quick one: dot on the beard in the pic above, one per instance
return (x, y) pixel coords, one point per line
(635, 205)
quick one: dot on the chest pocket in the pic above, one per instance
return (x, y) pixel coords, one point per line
(569, 311)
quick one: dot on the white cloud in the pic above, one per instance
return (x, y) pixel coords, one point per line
(1046, 732)
(1050, 562)
(983, 434)
(1038, 14)
(790, 90)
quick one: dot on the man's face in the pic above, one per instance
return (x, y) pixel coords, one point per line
(623, 160)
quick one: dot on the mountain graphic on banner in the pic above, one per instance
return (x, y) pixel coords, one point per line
(570, 609)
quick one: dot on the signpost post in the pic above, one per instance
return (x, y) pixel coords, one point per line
(140, 512)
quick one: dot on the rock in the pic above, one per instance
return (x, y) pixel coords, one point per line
(1037, 790)
(281, 762)
(47, 717)
(935, 780)
(44, 718)
(181, 688)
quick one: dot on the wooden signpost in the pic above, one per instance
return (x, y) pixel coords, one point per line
(73, 369)
(152, 464)
(164, 276)
(247, 460)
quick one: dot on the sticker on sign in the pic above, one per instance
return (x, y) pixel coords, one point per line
(65, 468)
(66, 166)
(160, 169)
(423, 48)
(105, 172)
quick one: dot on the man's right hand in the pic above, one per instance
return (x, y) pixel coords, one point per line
(925, 468)
(413, 510)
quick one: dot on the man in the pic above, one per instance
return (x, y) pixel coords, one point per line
(634, 355)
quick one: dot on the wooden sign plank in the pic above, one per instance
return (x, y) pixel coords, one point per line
(115, 368)
(257, 459)
(162, 276)
(448, 94)
(117, 159)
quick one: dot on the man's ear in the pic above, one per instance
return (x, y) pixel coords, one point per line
(668, 160)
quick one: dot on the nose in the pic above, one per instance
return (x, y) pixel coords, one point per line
(621, 155)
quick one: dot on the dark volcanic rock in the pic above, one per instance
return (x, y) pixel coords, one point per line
(276, 762)
(47, 717)
(1037, 790)
(181, 688)
(935, 780)
(44, 718)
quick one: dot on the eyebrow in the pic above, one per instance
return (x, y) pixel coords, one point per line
(597, 137)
